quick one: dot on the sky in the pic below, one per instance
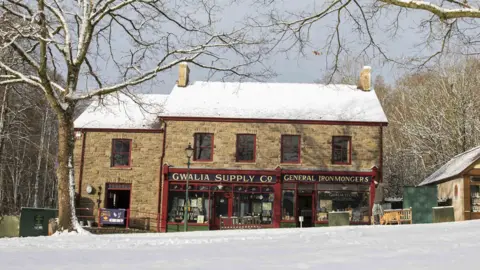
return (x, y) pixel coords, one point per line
(293, 66)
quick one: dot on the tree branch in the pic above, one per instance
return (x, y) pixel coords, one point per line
(442, 12)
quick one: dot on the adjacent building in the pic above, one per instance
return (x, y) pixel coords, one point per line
(264, 154)
(458, 181)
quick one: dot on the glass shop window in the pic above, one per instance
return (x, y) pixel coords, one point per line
(253, 207)
(475, 194)
(357, 203)
(288, 205)
(198, 207)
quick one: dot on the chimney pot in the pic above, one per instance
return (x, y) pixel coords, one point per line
(183, 74)
(364, 82)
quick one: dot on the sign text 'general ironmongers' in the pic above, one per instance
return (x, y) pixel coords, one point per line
(352, 179)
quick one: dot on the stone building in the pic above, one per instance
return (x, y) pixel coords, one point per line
(263, 154)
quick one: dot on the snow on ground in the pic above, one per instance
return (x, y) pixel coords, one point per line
(432, 246)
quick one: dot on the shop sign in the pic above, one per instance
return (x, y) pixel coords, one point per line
(212, 177)
(112, 216)
(344, 179)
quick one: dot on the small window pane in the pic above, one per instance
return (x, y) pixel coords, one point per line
(341, 151)
(120, 153)
(290, 148)
(122, 146)
(203, 146)
(288, 205)
(245, 147)
(475, 198)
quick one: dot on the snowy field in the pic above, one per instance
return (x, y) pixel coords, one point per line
(435, 246)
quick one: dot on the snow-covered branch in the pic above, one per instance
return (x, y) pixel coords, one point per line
(443, 13)
(131, 82)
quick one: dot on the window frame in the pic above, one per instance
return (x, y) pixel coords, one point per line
(113, 152)
(195, 146)
(299, 150)
(349, 154)
(254, 148)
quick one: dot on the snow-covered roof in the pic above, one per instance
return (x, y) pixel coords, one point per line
(121, 111)
(454, 167)
(285, 101)
(245, 100)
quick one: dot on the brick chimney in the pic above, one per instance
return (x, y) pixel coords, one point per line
(364, 82)
(183, 74)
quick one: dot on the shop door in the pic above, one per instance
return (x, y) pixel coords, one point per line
(222, 207)
(305, 209)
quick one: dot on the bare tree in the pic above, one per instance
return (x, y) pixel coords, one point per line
(71, 39)
(364, 29)
(433, 116)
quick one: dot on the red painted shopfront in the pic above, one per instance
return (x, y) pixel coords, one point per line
(271, 198)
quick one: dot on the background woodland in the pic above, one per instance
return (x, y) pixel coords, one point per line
(433, 115)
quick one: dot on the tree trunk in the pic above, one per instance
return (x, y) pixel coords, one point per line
(3, 124)
(39, 159)
(66, 183)
(45, 172)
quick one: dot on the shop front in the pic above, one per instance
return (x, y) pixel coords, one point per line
(219, 198)
(314, 194)
(263, 198)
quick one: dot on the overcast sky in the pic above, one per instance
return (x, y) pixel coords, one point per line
(293, 67)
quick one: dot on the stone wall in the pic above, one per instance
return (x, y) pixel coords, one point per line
(316, 144)
(143, 175)
(316, 153)
(447, 190)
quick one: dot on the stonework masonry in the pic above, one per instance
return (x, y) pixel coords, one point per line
(143, 175)
(316, 145)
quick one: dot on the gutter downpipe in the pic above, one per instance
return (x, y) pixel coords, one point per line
(82, 158)
(161, 176)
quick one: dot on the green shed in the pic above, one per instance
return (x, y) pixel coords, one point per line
(421, 200)
(34, 221)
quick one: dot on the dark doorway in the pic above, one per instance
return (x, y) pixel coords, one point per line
(221, 208)
(118, 199)
(305, 206)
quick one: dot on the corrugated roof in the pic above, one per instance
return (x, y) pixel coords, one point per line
(286, 101)
(120, 111)
(453, 167)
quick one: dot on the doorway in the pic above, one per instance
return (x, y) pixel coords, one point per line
(117, 196)
(222, 207)
(305, 207)
(118, 199)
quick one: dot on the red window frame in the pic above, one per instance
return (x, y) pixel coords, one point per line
(254, 148)
(349, 155)
(112, 164)
(299, 149)
(195, 147)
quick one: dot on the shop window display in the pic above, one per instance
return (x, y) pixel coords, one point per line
(198, 212)
(357, 203)
(288, 205)
(253, 205)
(475, 194)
